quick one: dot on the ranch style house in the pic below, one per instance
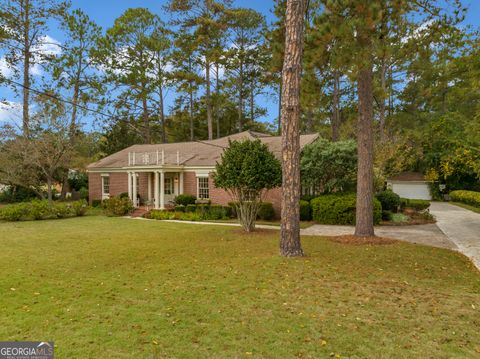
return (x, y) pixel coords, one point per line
(153, 175)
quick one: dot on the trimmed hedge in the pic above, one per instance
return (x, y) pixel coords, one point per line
(41, 209)
(340, 209)
(194, 213)
(305, 211)
(416, 204)
(265, 212)
(389, 200)
(468, 197)
(117, 206)
(185, 199)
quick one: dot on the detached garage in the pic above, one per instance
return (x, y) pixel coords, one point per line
(411, 185)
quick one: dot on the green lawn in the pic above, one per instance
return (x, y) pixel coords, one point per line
(119, 288)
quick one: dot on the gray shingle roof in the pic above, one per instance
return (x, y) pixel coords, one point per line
(195, 153)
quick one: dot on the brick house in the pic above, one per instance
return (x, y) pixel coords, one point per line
(154, 174)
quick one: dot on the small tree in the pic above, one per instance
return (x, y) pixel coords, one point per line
(246, 170)
(329, 166)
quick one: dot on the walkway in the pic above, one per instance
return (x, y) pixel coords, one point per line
(461, 226)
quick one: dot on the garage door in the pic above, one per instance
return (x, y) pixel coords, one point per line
(412, 190)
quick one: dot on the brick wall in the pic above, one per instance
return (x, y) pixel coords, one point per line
(119, 184)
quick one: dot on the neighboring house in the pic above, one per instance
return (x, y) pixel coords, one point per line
(155, 174)
(411, 185)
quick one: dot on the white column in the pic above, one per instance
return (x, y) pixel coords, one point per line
(134, 189)
(149, 186)
(180, 183)
(156, 191)
(162, 189)
(129, 174)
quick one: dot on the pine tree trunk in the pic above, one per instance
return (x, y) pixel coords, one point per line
(290, 245)
(364, 211)
(240, 98)
(336, 107)
(217, 93)
(162, 114)
(146, 123)
(382, 107)
(209, 102)
(279, 129)
(192, 132)
(26, 71)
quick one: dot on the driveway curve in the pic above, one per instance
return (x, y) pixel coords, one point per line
(461, 226)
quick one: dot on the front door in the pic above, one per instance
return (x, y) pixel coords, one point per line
(169, 188)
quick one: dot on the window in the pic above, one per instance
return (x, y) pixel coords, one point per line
(202, 185)
(105, 187)
(168, 185)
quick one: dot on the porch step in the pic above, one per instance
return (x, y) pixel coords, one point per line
(139, 212)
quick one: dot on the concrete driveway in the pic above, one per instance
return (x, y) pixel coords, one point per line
(461, 226)
(456, 229)
(427, 234)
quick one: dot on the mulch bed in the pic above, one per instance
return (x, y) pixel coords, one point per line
(359, 241)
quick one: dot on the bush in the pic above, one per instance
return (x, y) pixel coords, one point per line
(266, 211)
(169, 215)
(340, 209)
(61, 210)
(305, 211)
(79, 208)
(307, 197)
(14, 194)
(83, 193)
(468, 197)
(216, 211)
(97, 203)
(123, 195)
(416, 204)
(185, 199)
(190, 208)
(116, 206)
(180, 208)
(389, 200)
(13, 212)
(39, 209)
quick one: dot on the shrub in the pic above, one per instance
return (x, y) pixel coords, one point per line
(79, 208)
(13, 212)
(387, 215)
(307, 197)
(202, 209)
(266, 211)
(215, 211)
(169, 215)
(305, 211)
(190, 208)
(416, 204)
(97, 203)
(233, 206)
(116, 206)
(61, 210)
(14, 194)
(123, 195)
(180, 208)
(389, 200)
(185, 199)
(39, 209)
(228, 211)
(340, 209)
(83, 193)
(468, 197)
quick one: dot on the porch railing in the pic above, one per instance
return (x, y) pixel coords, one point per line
(155, 158)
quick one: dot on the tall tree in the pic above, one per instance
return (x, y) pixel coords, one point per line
(290, 245)
(206, 20)
(26, 24)
(128, 55)
(73, 68)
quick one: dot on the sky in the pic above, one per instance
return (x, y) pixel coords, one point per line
(104, 12)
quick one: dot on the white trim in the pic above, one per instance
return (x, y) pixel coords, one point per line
(105, 195)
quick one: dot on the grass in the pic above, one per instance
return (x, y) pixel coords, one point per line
(466, 206)
(275, 222)
(118, 288)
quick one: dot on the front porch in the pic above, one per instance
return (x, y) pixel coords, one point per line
(162, 185)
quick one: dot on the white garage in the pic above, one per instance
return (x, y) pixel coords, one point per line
(410, 185)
